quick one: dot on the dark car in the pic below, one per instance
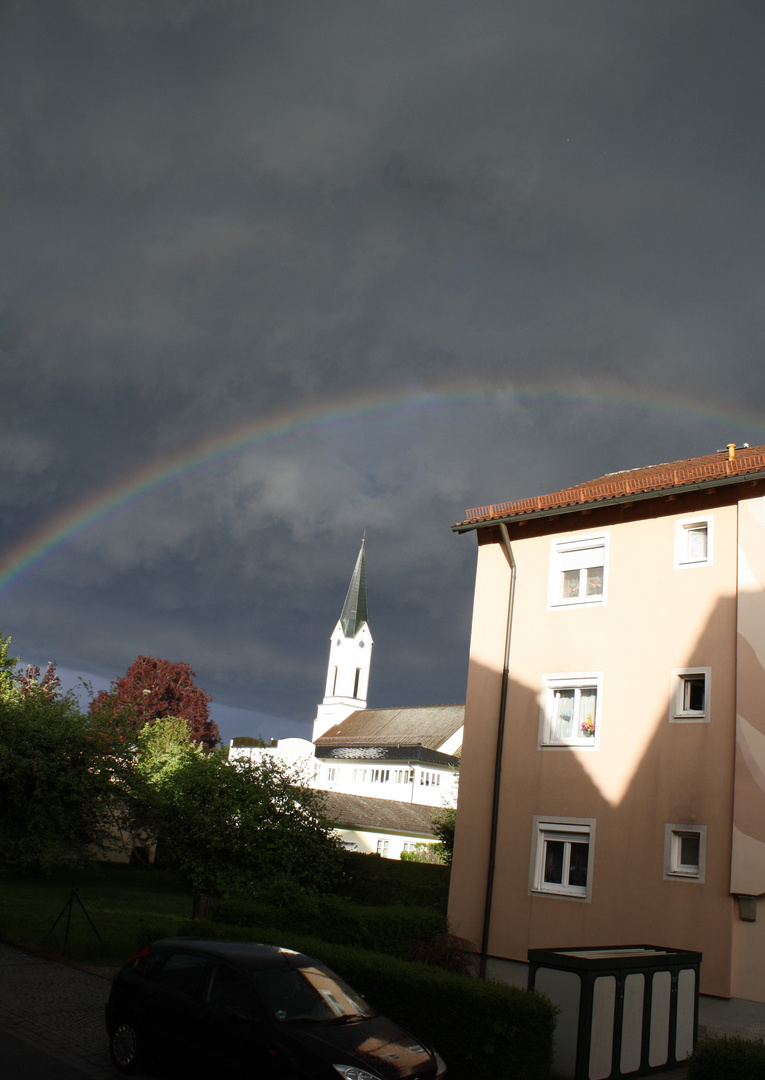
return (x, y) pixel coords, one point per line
(257, 1011)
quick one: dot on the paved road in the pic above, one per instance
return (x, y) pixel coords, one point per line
(58, 1011)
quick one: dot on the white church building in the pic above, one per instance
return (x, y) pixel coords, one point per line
(385, 771)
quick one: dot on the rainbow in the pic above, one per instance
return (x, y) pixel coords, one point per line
(61, 529)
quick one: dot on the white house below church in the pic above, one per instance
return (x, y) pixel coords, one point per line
(379, 826)
(387, 770)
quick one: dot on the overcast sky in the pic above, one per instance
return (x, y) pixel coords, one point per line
(285, 272)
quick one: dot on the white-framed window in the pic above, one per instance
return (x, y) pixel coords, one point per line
(382, 848)
(430, 779)
(685, 852)
(578, 571)
(570, 709)
(379, 776)
(331, 774)
(690, 691)
(694, 542)
(562, 856)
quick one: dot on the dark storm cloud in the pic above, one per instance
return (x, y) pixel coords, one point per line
(215, 213)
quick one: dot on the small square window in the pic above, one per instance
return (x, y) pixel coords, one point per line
(689, 695)
(578, 571)
(561, 858)
(693, 542)
(570, 712)
(685, 852)
(382, 848)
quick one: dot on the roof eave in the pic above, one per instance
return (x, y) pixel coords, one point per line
(628, 497)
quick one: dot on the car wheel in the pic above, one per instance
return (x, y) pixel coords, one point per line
(125, 1047)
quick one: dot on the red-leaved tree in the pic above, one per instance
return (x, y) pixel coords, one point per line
(153, 689)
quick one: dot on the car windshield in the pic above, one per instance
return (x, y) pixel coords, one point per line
(309, 993)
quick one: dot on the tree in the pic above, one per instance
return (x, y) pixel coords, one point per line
(228, 827)
(32, 682)
(162, 749)
(9, 687)
(444, 824)
(22, 682)
(54, 781)
(152, 689)
(142, 772)
(54, 778)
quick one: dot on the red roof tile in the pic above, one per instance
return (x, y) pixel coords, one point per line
(633, 482)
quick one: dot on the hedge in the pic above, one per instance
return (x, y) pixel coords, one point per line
(369, 879)
(480, 1028)
(727, 1058)
(395, 930)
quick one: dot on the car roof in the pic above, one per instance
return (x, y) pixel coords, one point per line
(244, 954)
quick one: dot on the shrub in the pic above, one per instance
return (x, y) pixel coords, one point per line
(481, 1028)
(425, 853)
(446, 951)
(727, 1059)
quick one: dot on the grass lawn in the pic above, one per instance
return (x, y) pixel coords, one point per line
(121, 901)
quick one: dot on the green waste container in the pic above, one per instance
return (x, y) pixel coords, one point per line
(629, 1010)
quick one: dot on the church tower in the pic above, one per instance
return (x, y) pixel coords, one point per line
(350, 656)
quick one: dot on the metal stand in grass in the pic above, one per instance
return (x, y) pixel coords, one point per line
(67, 910)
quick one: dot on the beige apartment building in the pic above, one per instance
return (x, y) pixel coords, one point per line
(612, 786)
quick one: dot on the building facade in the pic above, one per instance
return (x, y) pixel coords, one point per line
(612, 785)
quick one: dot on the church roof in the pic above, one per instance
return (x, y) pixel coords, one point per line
(358, 811)
(354, 613)
(427, 725)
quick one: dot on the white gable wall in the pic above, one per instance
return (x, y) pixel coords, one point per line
(453, 743)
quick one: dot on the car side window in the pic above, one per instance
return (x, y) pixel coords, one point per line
(181, 973)
(145, 963)
(229, 991)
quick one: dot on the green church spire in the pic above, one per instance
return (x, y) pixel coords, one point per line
(354, 613)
